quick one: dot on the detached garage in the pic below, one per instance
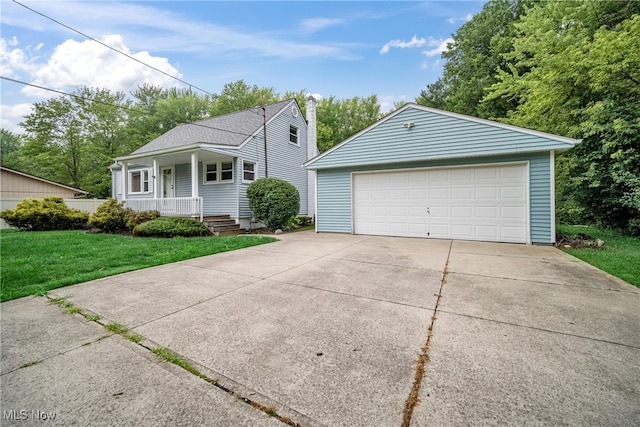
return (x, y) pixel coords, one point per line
(422, 172)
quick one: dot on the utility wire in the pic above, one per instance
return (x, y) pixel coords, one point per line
(122, 107)
(112, 48)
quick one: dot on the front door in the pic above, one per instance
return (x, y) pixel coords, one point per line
(167, 184)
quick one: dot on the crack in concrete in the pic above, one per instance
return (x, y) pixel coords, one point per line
(535, 328)
(423, 358)
(516, 279)
(269, 410)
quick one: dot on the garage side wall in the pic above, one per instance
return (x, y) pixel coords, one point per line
(334, 192)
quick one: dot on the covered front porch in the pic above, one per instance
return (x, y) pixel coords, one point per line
(176, 183)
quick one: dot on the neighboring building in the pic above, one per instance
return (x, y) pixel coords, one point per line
(422, 172)
(20, 185)
(203, 169)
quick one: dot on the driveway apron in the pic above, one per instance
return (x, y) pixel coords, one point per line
(332, 329)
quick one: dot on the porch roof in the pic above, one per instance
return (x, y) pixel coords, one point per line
(174, 156)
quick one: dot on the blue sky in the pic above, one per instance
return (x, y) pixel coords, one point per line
(341, 48)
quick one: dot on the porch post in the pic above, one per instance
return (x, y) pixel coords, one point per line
(194, 174)
(125, 177)
(156, 179)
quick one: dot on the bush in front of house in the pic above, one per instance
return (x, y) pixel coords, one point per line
(273, 201)
(165, 226)
(50, 213)
(110, 217)
(136, 218)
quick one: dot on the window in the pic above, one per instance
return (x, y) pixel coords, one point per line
(210, 172)
(226, 171)
(139, 181)
(248, 171)
(293, 134)
(216, 172)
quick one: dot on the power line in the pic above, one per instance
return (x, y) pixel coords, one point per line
(112, 48)
(122, 107)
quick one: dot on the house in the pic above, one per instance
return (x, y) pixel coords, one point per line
(20, 185)
(422, 172)
(203, 169)
(16, 186)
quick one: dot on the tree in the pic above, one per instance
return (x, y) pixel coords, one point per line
(340, 119)
(473, 60)
(73, 140)
(574, 71)
(10, 145)
(239, 96)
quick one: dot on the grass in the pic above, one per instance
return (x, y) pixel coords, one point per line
(32, 263)
(620, 255)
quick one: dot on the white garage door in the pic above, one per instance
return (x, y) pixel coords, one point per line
(486, 203)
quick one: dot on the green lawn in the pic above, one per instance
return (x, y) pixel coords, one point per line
(34, 262)
(620, 255)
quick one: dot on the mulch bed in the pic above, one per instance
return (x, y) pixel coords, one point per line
(578, 241)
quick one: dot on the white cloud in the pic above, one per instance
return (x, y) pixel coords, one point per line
(12, 115)
(465, 18)
(439, 46)
(414, 42)
(13, 60)
(74, 64)
(313, 25)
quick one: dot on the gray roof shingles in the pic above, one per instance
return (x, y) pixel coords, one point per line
(230, 129)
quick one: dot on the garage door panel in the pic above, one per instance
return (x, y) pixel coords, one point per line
(512, 212)
(439, 193)
(473, 203)
(486, 212)
(461, 193)
(458, 212)
(511, 193)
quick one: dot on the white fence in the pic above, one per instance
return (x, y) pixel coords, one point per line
(87, 205)
(174, 206)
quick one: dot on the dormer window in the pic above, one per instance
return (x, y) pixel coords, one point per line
(293, 134)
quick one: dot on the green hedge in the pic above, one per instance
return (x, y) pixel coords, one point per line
(49, 213)
(171, 227)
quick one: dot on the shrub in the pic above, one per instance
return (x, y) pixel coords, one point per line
(50, 213)
(136, 218)
(170, 227)
(273, 201)
(110, 217)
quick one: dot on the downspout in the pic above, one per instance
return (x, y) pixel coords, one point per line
(264, 131)
(312, 151)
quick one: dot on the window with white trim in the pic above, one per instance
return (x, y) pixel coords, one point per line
(217, 172)
(248, 171)
(139, 181)
(293, 134)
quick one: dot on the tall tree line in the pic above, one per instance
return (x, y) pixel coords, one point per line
(73, 139)
(567, 67)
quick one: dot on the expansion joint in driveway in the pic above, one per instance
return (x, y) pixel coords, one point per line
(423, 358)
(163, 353)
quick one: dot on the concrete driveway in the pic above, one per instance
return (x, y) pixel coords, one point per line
(329, 329)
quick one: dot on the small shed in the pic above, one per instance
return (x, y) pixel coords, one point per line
(423, 172)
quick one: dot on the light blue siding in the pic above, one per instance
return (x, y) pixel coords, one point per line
(434, 136)
(218, 199)
(334, 191)
(284, 159)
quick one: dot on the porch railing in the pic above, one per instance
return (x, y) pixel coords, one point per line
(171, 206)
